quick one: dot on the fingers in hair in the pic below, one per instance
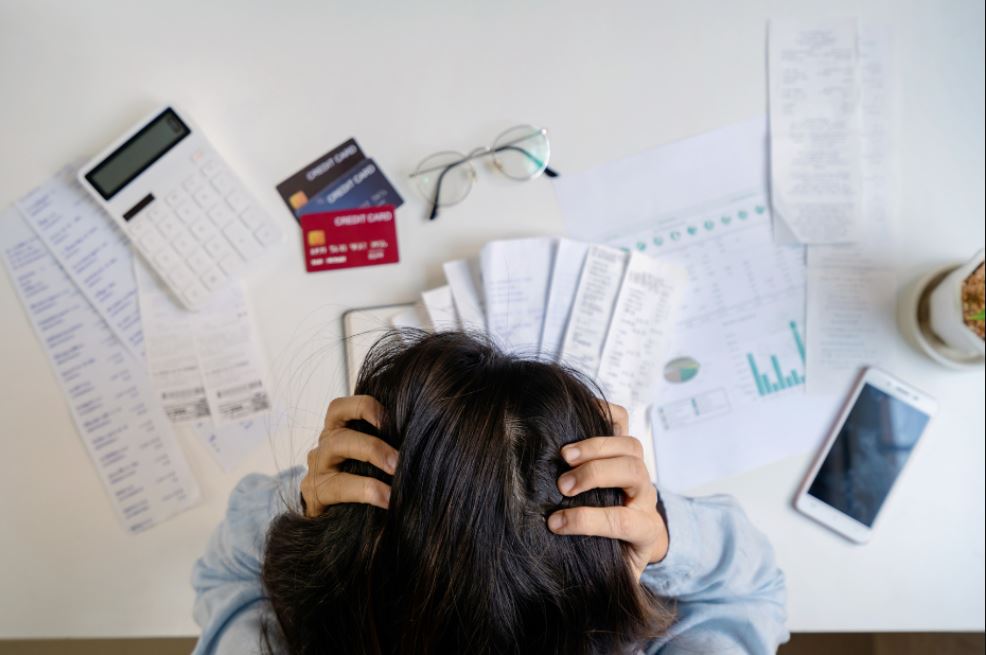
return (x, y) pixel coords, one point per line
(337, 445)
(351, 408)
(602, 447)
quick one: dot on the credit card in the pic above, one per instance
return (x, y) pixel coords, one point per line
(349, 237)
(363, 185)
(297, 189)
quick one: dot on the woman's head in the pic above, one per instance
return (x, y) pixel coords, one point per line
(462, 561)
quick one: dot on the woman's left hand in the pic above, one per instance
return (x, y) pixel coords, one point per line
(613, 462)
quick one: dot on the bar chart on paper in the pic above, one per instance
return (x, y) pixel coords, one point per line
(776, 376)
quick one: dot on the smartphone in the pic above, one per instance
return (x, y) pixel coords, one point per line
(872, 440)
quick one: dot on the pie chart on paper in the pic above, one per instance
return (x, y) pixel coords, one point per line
(681, 369)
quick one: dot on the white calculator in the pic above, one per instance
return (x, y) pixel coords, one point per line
(180, 204)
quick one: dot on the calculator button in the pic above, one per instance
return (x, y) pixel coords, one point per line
(221, 215)
(184, 244)
(169, 226)
(212, 278)
(175, 198)
(267, 234)
(194, 294)
(179, 275)
(242, 240)
(165, 257)
(156, 212)
(211, 168)
(139, 226)
(198, 157)
(253, 218)
(217, 247)
(223, 183)
(238, 201)
(202, 229)
(198, 260)
(151, 240)
(187, 212)
(230, 264)
(193, 183)
(206, 197)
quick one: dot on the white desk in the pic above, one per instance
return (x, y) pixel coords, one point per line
(277, 84)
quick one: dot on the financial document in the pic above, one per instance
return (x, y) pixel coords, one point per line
(815, 149)
(128, 437)
(181, 347)
(731, 372)
(516, 275)
(569, 259)
(642, 320)
(91, 249)
(592, 308)
(852, 288)
(440, 307)
(466, 283)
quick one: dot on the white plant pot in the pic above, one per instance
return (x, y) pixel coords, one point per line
(945, 310)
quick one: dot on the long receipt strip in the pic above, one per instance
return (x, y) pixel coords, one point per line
(127, 435)
(815, 130)
(91, 250)
(732, 367)
(205, 367)
(852, 288)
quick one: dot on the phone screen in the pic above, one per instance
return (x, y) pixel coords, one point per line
(868, 454)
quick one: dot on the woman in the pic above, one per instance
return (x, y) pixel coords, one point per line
(469, 501)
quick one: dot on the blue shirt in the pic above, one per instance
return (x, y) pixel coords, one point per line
(729, 593)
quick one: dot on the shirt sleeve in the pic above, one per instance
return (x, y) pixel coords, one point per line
(229, 597)
(720, 572)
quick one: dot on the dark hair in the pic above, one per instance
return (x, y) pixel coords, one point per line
(463, 561)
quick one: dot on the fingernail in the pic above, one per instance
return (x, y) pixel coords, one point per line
(556, 521)
(566, 482)
(392, 461)
(571, 454)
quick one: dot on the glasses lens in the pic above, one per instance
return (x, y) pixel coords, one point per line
(442, 173)
(521, 152)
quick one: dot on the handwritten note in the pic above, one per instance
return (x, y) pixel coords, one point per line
(516, 274)
(124, 430)
(814, 130)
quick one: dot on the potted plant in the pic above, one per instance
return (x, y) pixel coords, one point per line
(942, 314)
(955, 308)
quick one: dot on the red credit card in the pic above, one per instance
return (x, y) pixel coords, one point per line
(351, 237)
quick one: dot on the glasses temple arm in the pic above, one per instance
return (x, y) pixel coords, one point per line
(547, 169)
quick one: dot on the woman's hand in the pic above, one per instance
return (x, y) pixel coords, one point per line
(613, 462)
(325, 484)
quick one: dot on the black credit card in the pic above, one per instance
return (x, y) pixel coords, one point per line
(298, 189)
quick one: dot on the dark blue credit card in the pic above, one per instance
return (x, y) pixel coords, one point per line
(363, 185)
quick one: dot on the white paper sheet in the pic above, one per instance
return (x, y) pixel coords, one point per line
(852, 288)
(638, 331)
(440, 307)
(569, 258)
(90, 248)
(174, 340)
(814, 130)
(701, 203)
(516, 274)
(412, 318)
(128, 437)
(465, 281)
(592, 309)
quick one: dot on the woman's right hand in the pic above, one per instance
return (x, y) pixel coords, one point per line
(325, 483)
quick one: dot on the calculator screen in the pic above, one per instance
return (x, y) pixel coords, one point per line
(138, 153)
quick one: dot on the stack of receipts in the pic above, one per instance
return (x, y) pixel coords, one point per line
(600, 310)
(131, 363)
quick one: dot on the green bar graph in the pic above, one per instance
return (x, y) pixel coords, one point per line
(767, 386)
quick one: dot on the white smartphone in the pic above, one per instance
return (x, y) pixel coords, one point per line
(873, 439)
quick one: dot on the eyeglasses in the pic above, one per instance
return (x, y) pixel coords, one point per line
(445, 178)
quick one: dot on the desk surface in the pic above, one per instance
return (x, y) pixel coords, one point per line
(275, 85)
